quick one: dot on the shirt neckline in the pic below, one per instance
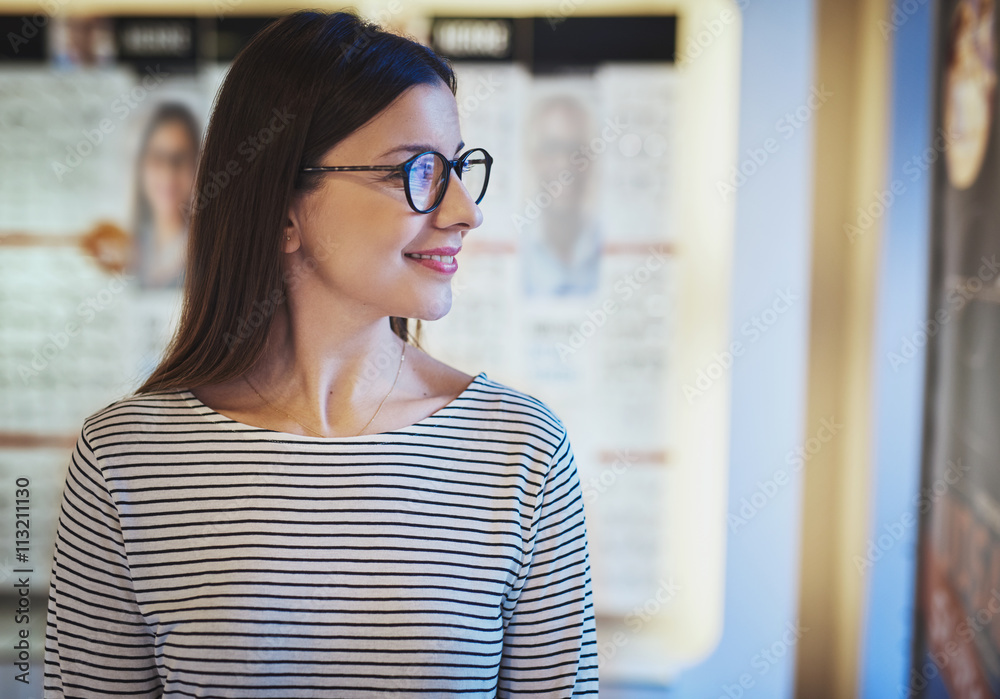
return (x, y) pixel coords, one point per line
(195, 402)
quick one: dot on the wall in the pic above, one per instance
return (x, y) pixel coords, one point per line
(898, 388)
(772, 254)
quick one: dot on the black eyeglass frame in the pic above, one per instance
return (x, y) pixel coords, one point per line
(455, 165)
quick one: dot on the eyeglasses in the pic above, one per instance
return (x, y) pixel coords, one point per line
(426, 176)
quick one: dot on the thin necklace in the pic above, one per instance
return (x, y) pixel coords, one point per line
(402, 355)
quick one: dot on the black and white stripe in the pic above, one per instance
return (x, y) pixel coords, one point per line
(197, 556)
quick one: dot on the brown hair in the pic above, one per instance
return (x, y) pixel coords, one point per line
(303, 84)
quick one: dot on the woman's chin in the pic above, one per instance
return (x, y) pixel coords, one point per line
(433, 309)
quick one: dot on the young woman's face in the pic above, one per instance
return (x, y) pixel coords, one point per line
(168, 168)
(358, 227)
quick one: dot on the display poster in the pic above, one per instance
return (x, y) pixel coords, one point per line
(567, 291)
(97, 164)
(567, 286)
(957, 641)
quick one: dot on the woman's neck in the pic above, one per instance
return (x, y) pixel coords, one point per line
(326, 368)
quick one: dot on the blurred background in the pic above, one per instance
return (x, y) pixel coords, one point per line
(746, 249)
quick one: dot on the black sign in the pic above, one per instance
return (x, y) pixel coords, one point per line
(23, 37)
(557, 42)
(473, 38)
(149, 41)
(588, 41)
(232, 33)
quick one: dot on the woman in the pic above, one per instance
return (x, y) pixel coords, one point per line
(298, 502)
(166, 171)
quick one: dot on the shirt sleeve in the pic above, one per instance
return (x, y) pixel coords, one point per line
(550, 637)
(97, 642)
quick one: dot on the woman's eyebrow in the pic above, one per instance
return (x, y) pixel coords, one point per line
(417, 148)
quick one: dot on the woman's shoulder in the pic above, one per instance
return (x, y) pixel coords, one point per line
(494, 401)
(139, 409)
(504, 402)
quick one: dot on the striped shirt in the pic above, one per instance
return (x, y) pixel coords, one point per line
(198, 556)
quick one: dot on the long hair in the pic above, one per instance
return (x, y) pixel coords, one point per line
(302, 85)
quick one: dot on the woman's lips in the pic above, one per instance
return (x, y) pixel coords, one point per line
(439, 259)
(445, 264)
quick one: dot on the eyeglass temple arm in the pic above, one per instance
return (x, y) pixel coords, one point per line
(351, 168)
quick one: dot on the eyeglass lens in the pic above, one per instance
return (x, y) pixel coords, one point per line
(429, 175)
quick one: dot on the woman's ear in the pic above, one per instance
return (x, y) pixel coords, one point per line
(292, 232)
